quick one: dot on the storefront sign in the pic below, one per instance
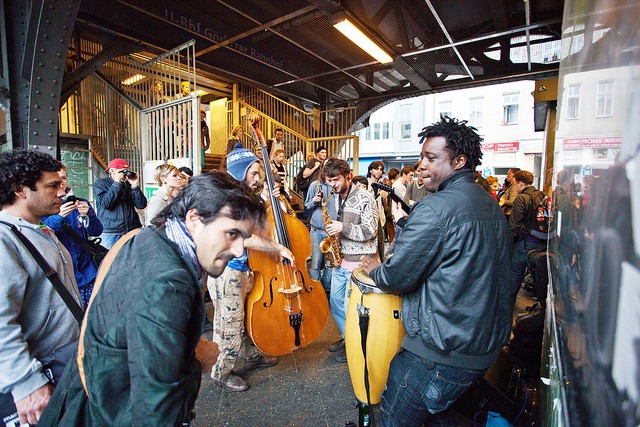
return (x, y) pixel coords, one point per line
(501, 147)
(595, 142)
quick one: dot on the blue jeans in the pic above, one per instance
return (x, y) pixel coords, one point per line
(519, 262)
(338, 297)
(108, 240)
(417, 390)
(319, 270)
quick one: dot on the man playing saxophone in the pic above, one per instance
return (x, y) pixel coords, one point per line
(356, 227)
(330, 245)
(318, 192)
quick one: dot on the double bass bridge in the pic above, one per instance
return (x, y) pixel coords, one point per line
(291, 292)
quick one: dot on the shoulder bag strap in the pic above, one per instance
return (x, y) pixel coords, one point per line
(51, 274)
(78, 239)
(102, 273)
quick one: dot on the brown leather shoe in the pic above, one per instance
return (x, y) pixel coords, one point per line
(261, 361)
(233, 382)
(337, 346)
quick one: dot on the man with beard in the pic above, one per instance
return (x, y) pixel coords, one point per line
(143, 351)
(451, 264)
(229, 290)
(38, 333)
(356, 226)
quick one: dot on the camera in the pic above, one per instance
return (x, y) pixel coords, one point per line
(129, 174)
(69, 198)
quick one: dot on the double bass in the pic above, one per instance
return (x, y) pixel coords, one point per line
(286, 310)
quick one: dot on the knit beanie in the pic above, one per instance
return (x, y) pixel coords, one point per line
(239, 160)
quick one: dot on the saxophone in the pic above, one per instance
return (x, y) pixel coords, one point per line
(330, 245)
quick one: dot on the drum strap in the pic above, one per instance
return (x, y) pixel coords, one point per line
(363, 321)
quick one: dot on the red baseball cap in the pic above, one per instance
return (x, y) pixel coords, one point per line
(119, 164)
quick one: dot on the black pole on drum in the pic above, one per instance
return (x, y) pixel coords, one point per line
(365, 414)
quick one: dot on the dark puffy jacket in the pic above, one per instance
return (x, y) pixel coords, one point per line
(115, 202)
(141, 334)
(452, 263)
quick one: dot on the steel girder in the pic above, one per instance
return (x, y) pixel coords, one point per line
(37, 38)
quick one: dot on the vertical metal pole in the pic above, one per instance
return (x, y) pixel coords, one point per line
(107, 125)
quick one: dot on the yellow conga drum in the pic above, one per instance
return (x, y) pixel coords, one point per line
(384, 335)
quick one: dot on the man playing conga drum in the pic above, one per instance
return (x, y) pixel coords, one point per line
(451, 264)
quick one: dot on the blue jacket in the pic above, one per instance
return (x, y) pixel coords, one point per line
(452, 264)
(115, 202)
(84, 269)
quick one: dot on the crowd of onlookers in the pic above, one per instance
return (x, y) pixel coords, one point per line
(364, 213)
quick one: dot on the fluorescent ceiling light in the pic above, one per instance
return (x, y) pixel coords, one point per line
(201, 92)
(359, 38)
(133, 79)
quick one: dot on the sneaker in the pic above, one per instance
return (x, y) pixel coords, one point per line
(261, 361)
(341, 357)
(233, 383)
(337, 346)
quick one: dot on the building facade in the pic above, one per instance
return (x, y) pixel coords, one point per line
(503, 115)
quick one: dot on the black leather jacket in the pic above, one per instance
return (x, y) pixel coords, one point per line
(452, 264)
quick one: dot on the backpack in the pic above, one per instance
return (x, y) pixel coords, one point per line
(542, 221)
(526, 344)
(301, 182)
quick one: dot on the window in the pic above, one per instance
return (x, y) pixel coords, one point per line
(475, 111)
(376, 131)
(510, 107)
(405, 130)
(385, 130)
(604, 102)
(445, 108)
(368, 133)
(573, 101)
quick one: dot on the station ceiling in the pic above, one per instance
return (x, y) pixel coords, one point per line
(290, 47)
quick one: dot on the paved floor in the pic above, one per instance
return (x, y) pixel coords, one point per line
(310, 389)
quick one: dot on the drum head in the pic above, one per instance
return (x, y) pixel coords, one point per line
(364, 282)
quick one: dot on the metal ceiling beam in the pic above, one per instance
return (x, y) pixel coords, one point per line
(434, 49)
(410, 74)
(464, 85)
(485, 37)
(299, 46)
(387, 75)
(327, 73)
(382, 84)
(257, 29)
(174, 24)
(201, 65)
(448, 36)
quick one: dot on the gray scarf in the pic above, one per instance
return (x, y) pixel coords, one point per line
(178, 234)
